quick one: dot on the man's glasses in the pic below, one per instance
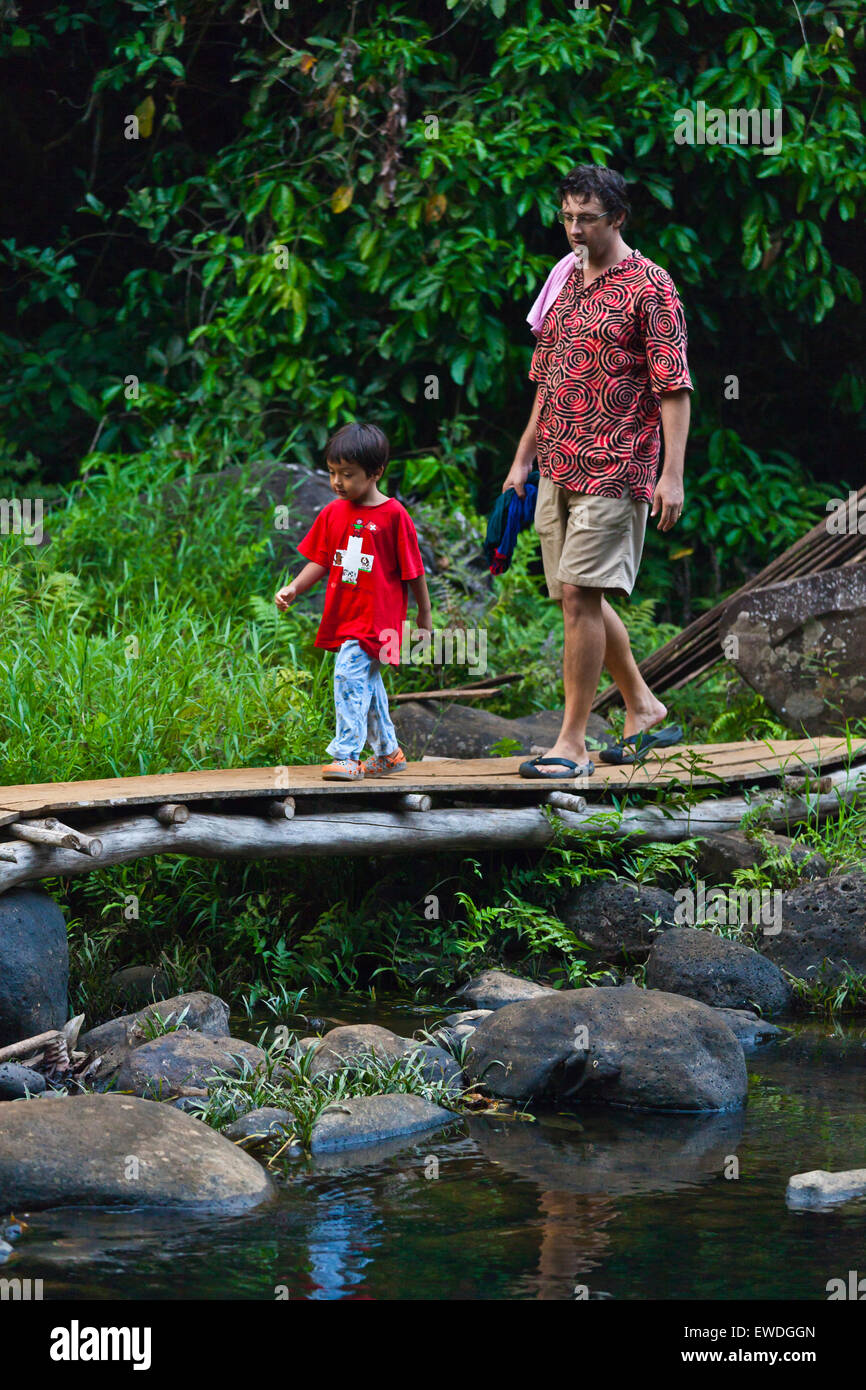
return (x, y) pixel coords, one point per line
(581, 219)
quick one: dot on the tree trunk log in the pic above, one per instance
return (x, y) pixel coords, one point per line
(360, 833)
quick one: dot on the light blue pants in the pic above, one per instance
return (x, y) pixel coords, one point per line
(361, 705)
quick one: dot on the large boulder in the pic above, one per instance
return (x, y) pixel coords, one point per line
(617, 919)
(370, 1119)
(34, 965)
(256, 1126)
(446, 729)
(353, 1043)
(823, 932)
(112, 1042)
(541, 730)
(721, 853)
(800, 644)
(629, 1047)
(205, 1013)
(357, 1042)
(716, 970)
(93, 1150)
(493, 989)
(182, 1060)
(136, 986)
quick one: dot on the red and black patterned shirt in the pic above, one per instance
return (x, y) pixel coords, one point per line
(603, 357)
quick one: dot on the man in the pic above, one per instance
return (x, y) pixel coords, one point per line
(610, 363)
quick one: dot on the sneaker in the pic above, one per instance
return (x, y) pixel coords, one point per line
(344, 770)
(382, 764)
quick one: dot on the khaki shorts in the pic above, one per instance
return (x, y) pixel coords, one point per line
(593, 542)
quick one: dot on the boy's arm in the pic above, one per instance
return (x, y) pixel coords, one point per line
(422, 598)
(309, 575)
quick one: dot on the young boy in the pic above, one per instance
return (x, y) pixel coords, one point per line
(366, 544)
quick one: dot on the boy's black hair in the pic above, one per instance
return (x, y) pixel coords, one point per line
(607, 185)
(359, 443)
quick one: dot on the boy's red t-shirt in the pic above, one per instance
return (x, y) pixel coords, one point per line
(370, 552)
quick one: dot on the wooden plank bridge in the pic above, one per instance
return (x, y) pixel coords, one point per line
(434, 804)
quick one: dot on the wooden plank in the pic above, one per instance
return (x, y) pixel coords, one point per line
(731, 762)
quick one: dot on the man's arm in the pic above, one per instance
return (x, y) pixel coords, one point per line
(525, 455)
(668, 496)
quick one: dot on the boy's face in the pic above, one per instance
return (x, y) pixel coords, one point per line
(350, 481)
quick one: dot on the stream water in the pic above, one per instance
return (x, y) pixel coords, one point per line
(627, 1206)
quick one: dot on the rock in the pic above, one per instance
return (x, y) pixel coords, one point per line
(616, 919)
(308, 1044)
(748, 1028)
(34, 965)
(353, 1042)
(138, 985)
(114, 1040)
(5, 1251)
(800, 644)
(204, 1013)
(370, 1119)
(627, 1047)
(110, 1150)
(717, 971)
(438, 1065)
(821, 1189)
(542, 728)
(189, 1105)
(466, 1018)
(493, 989)
(458, 731)
(266, 1122)
(16, 1081)
(302, 491)
(823, 932)
(457, 1027)
(452, 730)
(183, 1059)
(721, 853)
(360, 1041)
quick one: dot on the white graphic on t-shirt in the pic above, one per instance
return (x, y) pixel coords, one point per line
(352, 559)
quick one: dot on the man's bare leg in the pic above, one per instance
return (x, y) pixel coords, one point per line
(583, 652)
(642, 709)
(593, 636)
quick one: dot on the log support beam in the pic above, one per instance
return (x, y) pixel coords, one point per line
(51, 831)
(361, 833)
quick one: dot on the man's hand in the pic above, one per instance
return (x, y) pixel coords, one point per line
(517, 475)
(283, 597)
(424, 620)
(668, 499)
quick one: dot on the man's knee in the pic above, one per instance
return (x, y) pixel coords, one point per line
(577, 600)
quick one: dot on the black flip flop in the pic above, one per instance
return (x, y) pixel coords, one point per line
(529, 769)
(643, 744)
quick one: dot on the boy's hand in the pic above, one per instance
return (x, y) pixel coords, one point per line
(283, 597)
(425, 619)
